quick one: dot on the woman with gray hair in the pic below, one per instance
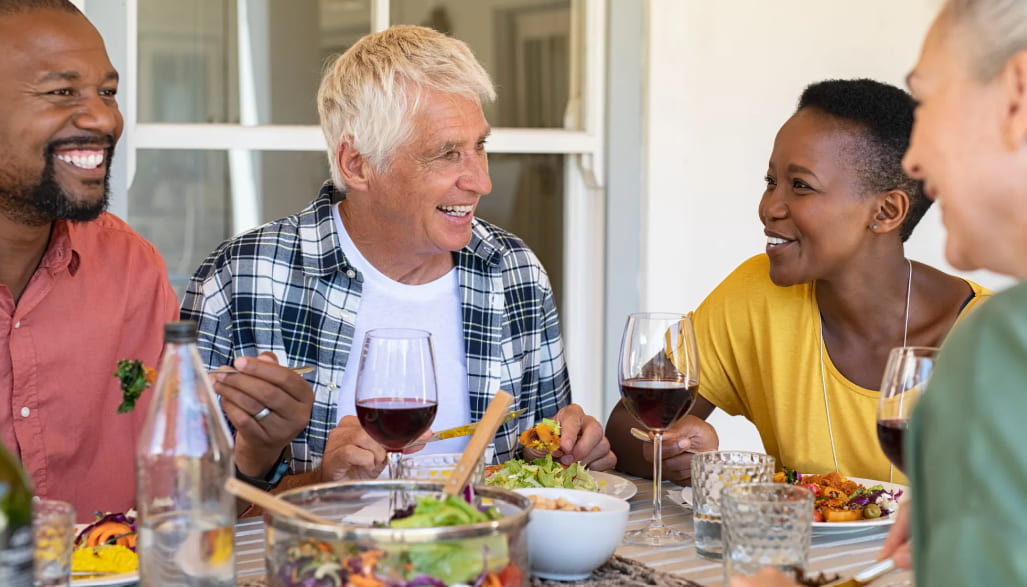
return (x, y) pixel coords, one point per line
(966, 522)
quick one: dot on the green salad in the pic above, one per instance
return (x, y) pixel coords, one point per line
(543, 472)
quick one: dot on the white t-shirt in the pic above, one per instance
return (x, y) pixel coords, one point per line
(433, 306)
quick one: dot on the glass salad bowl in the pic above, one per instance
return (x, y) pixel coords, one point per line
(360, 545)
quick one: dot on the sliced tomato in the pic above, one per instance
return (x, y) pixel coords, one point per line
(511, 576)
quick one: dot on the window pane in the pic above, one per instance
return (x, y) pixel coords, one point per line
(524, 45)
(190, 68)
(527, 199)
(189, 58)
(182, 200)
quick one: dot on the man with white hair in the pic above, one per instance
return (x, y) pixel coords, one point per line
(390, 241)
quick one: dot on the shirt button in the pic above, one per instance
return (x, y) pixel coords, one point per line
(17, 324)
(351, 273)
(25, 412)
(332, 386)
(346, 316)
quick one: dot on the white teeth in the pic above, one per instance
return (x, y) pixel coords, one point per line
(774, 241)
(91, 161)
(457, 210)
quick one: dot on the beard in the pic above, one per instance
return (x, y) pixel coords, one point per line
(46, 201)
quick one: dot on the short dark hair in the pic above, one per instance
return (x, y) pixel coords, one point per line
(884, 113)
(20, 6)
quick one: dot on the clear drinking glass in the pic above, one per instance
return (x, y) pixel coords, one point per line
(396, 392)
(712, 472)
(905, 378)
(658, 376)
(765, 525)
(54, 525)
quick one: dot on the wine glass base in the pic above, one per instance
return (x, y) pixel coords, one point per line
(656, 536)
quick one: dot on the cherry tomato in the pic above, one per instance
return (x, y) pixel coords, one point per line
(511, 576)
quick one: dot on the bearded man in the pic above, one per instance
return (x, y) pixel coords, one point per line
(79, 289)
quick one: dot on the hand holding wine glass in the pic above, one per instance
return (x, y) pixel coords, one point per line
(396, 394)
(905, 378)
(658, 376)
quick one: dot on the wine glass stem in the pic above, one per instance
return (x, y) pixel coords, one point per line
(657, 519)
(397, 499)
(393, 458)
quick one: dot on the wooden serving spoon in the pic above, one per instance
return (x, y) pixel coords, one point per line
(271, 503)
(483, 434)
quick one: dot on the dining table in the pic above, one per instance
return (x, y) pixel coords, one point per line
(841, 553)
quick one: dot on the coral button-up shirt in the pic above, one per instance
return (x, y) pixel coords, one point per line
(100, 294)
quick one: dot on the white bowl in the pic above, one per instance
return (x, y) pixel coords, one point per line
(568, 546)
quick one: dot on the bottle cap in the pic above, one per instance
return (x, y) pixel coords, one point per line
(183, 331)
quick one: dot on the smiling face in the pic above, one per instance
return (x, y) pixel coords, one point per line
(959, 149)
(426, 197)
(59, 119)
(814, 215)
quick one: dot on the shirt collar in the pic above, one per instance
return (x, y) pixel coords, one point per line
(322, 252)
(62, 252)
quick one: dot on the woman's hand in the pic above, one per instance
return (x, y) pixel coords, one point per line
(897, 546)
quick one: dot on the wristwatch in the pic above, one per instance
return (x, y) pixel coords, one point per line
(273, 477)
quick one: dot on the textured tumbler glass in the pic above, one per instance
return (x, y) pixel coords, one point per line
(711, 472)
(54, 525)
(438, 466)
(765, 525)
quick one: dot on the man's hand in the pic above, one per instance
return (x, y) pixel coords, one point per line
(351, 453)
(688, 433)
(581, 439)
(263, 384)
(897, 546)
(768, 577)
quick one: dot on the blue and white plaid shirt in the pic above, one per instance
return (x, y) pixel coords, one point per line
(286, 287)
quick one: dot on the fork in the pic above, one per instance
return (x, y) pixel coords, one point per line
(226, 370)
(867, 575)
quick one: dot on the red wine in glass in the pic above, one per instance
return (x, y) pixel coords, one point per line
(906, 376)
(891, 434)
(395, 422)
(658, 372)
(657, 403)
(396, 394)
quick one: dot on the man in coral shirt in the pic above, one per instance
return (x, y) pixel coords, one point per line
(79, 289)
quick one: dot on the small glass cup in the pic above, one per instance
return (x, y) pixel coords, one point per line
(54, 525)
(711, 473)
(437, 467)
(765, 525)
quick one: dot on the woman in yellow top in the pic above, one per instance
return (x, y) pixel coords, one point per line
(796, 339)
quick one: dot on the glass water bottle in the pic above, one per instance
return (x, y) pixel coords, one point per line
(186, 517)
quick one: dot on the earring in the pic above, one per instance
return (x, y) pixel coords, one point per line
(873, 226)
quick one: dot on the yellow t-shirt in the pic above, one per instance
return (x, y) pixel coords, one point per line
(759, 355)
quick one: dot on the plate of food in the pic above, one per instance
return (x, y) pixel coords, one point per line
(848, 504)
(104, 554)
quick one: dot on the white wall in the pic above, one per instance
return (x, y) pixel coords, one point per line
(722, 77)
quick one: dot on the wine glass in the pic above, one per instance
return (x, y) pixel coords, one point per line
(396, 393)
(905, 378)
(658, 376)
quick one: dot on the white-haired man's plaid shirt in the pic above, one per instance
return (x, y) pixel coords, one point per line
(287, 287)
